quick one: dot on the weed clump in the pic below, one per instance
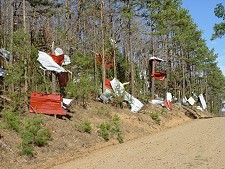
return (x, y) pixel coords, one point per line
(155, 117)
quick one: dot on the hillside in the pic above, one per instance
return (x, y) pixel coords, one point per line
(79, 133)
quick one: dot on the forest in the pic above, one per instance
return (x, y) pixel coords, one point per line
(124, 34)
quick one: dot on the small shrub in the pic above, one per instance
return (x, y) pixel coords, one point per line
(107, 130)
(12, 120)
(83, 127)
(42, 137)
(116, 129)
(104, 131)
(120, 137)
(81, 88)
(86, 127)
(34, 133)
(155, 117)
(27, 150)
(27, 137)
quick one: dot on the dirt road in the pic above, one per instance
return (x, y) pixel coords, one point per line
(197, 144)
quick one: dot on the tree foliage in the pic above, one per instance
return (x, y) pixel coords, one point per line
(219, 28)
(83, 29)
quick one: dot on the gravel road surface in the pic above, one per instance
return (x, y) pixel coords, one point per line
(199, 144)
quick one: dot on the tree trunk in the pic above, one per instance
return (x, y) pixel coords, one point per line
(11, 39)
(95, 48)
(103, 47)
(24, 15)
(183, 73)
(166, 63)
(0, 12)
(79, 8)
(67, 28)
(25, 57)
(131, 51)
(25, 60)
(114, 62)
(11, 30)
(131, 66)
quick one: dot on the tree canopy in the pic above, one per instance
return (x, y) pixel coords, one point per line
(219, 28)
(141, 29)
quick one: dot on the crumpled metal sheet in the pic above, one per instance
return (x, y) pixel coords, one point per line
(48, 63)
(4, 53)
(2, 72)
(119, 90)
(202, 100)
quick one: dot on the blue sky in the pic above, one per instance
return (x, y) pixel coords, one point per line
(202, 12)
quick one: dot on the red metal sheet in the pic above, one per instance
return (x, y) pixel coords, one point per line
(159, 75)
(168, 105)
(58, 59)
(107, 84)
(108, 61)
(46, 104)
(63, 78)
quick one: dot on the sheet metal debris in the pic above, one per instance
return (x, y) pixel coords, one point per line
(168, 105)
(158, 102)
(67, 101)
(66, 58)
(169, 96)
(118, 88)
(46, 104)
(191, 101)
(4, 53)
(202, 100)
(63, 78)
(54, 62)
(156, 74)
(2, 72)
(49, 63)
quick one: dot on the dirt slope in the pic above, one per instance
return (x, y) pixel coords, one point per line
(68, 143)
(198, 145)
